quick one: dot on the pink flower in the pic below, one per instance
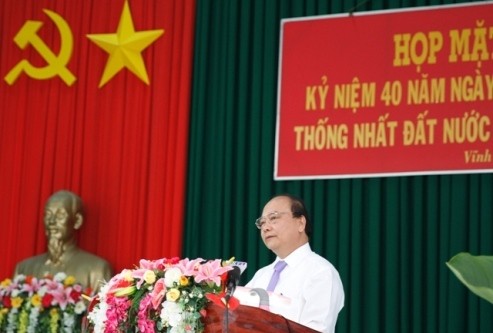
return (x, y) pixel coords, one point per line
(159, 264)
(31, 287)
(189, 267)
(158, 293)
(117, 312)
(139, 275)
(145, 324)
(211, 271)
(59, 294)
(153, 264)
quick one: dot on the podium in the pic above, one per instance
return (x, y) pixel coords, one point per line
(248, 319)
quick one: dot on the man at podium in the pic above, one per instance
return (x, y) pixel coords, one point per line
(63, 217)
(310, 284)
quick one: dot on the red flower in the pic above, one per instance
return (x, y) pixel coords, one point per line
(46, 301)
(7, 302)
(219, 299)
(173, 261)
(75, 295)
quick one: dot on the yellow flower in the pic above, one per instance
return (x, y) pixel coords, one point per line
(36, 301)
(149, 277)
(54, 317)
(172, 295)
(23, 321)
(69, 280)
(16, 302)
(5, 283)
(184, 281)
(3, 314)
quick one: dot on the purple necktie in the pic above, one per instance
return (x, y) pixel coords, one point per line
(280, 265)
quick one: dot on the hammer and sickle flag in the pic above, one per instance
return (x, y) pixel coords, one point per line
(56, 64)
(124, 47)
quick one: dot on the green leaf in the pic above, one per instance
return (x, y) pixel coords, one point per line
(475, 272)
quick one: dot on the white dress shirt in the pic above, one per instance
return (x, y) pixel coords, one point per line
(311, 283)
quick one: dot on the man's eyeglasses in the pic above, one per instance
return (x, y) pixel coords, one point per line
(271, 219)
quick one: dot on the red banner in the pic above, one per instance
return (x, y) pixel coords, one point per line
(386, 93)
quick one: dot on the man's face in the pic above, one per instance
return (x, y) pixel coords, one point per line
(59, 219)
(281, 231)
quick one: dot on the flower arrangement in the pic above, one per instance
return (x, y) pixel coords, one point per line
(49, 304)
(165, 295)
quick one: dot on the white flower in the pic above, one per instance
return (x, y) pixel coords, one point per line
(33, 320)
(103, 291)
(42, 291)
(171, 314)
(12, 320)
(68, 321)
(98, 317)
(126, 274)
(19, 278)
(60, 277)
(80, 307)
(172, 276)
(149, 277)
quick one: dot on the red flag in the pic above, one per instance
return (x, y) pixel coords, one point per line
(105, 117)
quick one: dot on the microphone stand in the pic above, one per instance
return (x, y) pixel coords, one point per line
(232, 282)
(226, 314)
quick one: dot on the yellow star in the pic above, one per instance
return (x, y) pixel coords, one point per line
(124, 47)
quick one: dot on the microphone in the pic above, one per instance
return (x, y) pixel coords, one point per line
(263, 298)
(232, 281)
